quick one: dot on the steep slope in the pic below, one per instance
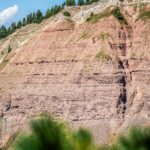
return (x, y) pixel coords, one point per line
(93, 74)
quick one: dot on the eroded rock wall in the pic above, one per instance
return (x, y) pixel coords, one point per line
(62, 71)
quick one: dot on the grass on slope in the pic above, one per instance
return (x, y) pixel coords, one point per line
(5, 55)
(144, 15)
(116, 12)
(103, 55)
(85, 35)
(93, 18)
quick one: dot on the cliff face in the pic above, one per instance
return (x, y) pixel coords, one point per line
(95, 75)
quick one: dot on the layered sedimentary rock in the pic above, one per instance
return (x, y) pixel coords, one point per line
(95, 75)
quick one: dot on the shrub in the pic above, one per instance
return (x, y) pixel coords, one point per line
(67, 13)
(2, 53)
(133, 55)
(83, 140)
(9, 49)
(118, 15)
(136, 139)
(47, 133)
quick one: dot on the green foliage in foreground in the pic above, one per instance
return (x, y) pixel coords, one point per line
(135, 139)
(47, 133)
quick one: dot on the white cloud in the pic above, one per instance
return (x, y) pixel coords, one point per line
(7, 13)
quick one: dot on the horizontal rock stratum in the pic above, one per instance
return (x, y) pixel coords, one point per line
(94, 74)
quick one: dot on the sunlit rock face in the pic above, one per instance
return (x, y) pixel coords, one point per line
(95, 75)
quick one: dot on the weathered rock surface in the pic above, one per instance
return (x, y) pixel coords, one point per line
(59, 70)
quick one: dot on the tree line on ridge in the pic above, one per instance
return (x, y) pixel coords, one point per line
(38, 17)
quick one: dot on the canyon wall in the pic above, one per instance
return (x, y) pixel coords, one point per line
(95, 75)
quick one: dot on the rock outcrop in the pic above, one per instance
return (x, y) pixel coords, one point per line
(95, 75)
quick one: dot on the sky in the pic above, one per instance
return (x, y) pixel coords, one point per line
(15, 10)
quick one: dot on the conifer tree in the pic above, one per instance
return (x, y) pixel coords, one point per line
(33, 18)
(63, 5)
(80, 2)
(24, 22)
(19, 24)
(88, 1)
(39, 16)
(29, 18)
(13, 26)
(67, 2)
(9, 31)
(47, 14)
(70, 2)
(3, 32)
(73, 3)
